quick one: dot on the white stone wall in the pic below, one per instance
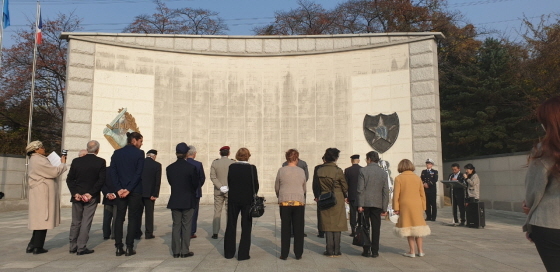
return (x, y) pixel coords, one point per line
(268, 94)
(12, 171)
(502, 179)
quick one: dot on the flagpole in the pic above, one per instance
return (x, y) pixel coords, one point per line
(31, 100)
(1, 33)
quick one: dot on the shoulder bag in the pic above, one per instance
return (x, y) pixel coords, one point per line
(327, 200)
(257, 207)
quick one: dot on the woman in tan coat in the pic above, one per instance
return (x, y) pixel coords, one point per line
(331, 179)
(44, 195)
(409, 202)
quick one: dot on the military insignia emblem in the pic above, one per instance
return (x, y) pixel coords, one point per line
(381, 131)
(115, 132)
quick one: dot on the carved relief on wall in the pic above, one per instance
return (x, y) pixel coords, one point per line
(115, 132)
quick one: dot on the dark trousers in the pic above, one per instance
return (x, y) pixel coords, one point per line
(372, 218)
(132, 203)
(231, 230)
(292, 218)
(353, 214)
(431, 206)
(547, 242)
(38, 239)
(319, 222)
(109, 216)
(333, 242)
(195, 216)
(82, 216)
(459, 202)
(181, 232)
(148, 211)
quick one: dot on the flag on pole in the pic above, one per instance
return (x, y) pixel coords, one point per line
(5, 15)
(39, 25)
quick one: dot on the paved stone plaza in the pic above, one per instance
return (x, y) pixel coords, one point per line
(501, 246)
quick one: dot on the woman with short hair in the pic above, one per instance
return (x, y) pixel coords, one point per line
(44, 195)
(242, 182)
(409, 202)
(290, 189)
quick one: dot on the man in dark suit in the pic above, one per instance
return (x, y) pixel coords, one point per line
(316, 186)
(85, 179)
(151, 182)
(181, 175)
(429, 178)
(191, 155)
(458, 194)
(109, 206)
(351, 174)
(127, 165)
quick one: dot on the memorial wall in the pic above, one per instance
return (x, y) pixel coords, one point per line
(268, 94)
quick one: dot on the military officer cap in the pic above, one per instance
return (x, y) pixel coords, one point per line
(354, 157)
(224, 148)
(428, 160)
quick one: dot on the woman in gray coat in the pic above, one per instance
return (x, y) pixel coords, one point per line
(331, 179)
(542, 184)
(44, 195)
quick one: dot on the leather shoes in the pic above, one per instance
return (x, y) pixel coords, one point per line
(105, 238)
(72, 251)
(120, 251)
(150, 236)
(190, 254)
(283, 258)
(29, 249)
(214, 236)
(176, 255)
(375, 255)
(39, 251)
(129, 251)
(321, 235)
(462, 224)
(366, 254)
(298, 258)
(193, 236)
(85, 251)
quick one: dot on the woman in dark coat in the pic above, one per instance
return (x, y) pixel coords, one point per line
(331, 179)
(243, 183)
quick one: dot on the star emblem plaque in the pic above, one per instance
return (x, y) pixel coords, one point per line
(381, 131)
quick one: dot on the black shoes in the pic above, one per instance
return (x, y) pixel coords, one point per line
(214, 236)
(29, 249)
(129, 251)
(72, 251)
(39, 251)
(190, 254)
(366, 254)
(352, 234)
(176, 255)
(283, 258)
(85, 251)
(375, 255)
(105, 238)
(462, 223)
(150, 236)
(120, 251)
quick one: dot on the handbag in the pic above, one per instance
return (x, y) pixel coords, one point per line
(327, 200)
(361, 237)
(257, 206)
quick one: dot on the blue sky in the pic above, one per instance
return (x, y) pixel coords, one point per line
(243, 15)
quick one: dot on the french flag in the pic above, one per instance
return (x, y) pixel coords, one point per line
(39, 35)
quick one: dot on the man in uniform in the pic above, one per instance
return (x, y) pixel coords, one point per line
(219, 176)
(151, 182)
(429, 178)
(458, 194)
(191, 155)
(351, 174)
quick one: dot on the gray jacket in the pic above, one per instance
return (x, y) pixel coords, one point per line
(542, 195)
(219, 173)
(373, 189)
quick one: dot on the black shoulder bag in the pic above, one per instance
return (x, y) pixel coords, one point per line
(327, 200)
(257, 207)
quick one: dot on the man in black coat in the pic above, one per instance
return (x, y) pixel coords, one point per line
(127, 165)
(109, 207)
(181, 175)
(351, 174)
(429, 178)
(458, 194)
(85, 179)
(151, 182)
(316, 186)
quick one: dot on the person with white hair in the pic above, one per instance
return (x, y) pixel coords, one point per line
(191, 155)
(86, 177)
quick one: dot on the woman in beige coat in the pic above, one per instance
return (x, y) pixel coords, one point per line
(44, 195)
(409, 202)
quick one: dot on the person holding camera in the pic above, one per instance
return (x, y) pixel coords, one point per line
(44, 195)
